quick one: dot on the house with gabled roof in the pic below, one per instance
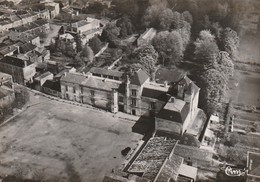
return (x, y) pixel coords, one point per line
(21, 70)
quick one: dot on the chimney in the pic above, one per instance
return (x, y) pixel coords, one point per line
(165, 83)
(172, 99)
(25, 63)
(65, 74)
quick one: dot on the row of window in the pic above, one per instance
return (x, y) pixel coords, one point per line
(121, 99)
(134, 101)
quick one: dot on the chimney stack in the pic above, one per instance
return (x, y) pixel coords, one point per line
(165, 83)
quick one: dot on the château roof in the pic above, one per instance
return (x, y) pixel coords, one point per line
(139, 78)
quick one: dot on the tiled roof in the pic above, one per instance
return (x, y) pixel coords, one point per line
(14, 61)
(106, 72)
(32, 25)
(171, 76)
(27, 47)
(43, 75)
(53, 85)
(253, 164)
(8, 49)
(155, 94)
(152, 157)
(73, 78)
(176, 111)
(101, 83)
(170, 169)
(139, 78)
(80, 23)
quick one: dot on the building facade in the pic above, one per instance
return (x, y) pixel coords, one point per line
(22, 71)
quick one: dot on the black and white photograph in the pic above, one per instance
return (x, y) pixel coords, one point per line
(129, 90)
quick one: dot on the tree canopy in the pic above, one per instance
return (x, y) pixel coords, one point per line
(206, 48)
(147, 57)
(95, 44)
(169, 45)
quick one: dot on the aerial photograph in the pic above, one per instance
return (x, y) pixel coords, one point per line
(129, 90)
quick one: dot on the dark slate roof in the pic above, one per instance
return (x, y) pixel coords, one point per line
(14, 61)
(155, 94)
(106, 72)
(53, 85)
(171, 76)
(139, 78)
(27, 47)
(176, 111)
(73, 78)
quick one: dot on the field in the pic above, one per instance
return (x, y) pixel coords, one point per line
(245, 94)
(61, 140)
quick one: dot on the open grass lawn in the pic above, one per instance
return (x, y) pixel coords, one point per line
(64, 140)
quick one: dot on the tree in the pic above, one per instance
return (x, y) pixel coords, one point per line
(79, 43)
(216, 30)
(147, 57)
(169, 45)
(95, 44)
(213, 86)
(165, 19)
(186, 16)
(230, 42)
(185, 33)
(177, 20)
(225, 64)
(125, 25)
(152, 14)
(206, 48)
(110, 33)
(87, 54)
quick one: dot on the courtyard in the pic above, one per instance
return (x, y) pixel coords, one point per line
(66, 141)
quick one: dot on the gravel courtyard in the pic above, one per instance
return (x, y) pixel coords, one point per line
(59, 139)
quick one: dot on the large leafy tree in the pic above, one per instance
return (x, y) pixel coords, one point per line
(213, 86)
(230, 42)
(166, 19)
(126, 26)
(152, 14)
(95, 44)
(206, 48)
(87, 54)
(186, 16)
(224, 64)
(185, 33)
(110, 33)
(169, 45)
(147, 57)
